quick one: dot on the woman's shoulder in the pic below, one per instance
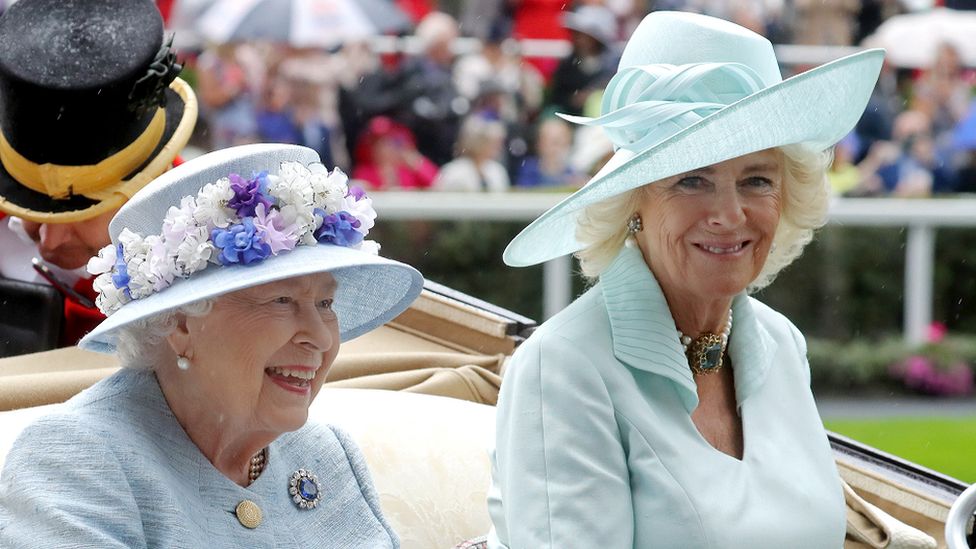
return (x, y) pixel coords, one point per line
(102, 416)
(585, 317)
(567, 342)
(776, 323)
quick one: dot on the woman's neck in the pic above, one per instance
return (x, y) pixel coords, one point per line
(227, 443)
(695, 316)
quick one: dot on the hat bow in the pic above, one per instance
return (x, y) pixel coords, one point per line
(646, 104)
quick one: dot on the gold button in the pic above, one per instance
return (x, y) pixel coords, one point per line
(248, 513)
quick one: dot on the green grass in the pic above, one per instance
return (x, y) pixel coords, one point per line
(947, 445)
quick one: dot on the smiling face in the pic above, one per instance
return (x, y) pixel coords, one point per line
(260, 356)
(707, 233)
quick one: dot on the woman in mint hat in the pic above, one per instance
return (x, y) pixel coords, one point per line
(665, 407)
(229, 284)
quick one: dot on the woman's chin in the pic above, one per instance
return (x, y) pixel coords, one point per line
(286, 420)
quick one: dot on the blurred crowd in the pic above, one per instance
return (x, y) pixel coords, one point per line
(485, 119)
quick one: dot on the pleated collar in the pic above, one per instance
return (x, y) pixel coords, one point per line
(645, 336)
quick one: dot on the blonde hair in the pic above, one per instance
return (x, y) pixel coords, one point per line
(602, 227)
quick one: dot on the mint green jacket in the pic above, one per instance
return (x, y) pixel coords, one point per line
(596, 449)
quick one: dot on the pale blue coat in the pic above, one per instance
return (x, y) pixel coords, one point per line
(113, 469)
(596, 449)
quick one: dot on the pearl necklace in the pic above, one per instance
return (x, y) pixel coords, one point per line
(257, 465)
(706, 352)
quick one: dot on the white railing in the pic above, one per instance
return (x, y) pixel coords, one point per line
(921, 218)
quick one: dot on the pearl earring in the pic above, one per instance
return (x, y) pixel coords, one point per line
(635, 224)
(183, 363)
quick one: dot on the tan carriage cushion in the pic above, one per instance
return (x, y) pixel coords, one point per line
(428, 456)
(367, 362)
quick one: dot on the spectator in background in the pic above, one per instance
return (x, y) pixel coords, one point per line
(430, 104)
(476, 168)
(550, 167)
(500, 64)
(908, 165)
(592, 61)
(274, 116)
(387, 158)
(494, 102)
(226, 93)
(964, 143)
(314, 77)
(313, 129)
(500, 85)
(416, 91)
(825, 22)
(885, 102)
(369, 86)
(943, 93)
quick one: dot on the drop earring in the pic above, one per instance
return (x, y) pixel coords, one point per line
(635, 224)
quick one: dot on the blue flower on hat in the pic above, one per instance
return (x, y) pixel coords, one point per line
(339, 228)
(120, 278)
(248, 193)
(235, 221)
(240, 243)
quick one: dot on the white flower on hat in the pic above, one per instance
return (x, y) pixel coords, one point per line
(109, 298)
(362, 209)
(144, 263)
(292, 185)
(187, 241)
(235, 221)
(329, 188)
(103, 262)
(193, 251)
(211, 201)
(180, 220)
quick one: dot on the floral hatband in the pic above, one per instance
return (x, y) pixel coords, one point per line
(235, 221)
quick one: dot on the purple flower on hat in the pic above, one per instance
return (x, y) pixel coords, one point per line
(278, 234)
(248, 193)
(121, 276)
(356, 192)
(339, 228)
(240, 243)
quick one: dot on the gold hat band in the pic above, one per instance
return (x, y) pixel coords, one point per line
(58, 181)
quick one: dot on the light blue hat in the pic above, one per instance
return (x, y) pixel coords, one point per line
(197, 232)
(692, 91)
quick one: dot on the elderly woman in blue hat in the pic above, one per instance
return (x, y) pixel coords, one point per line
(642, 415)
(229, 284)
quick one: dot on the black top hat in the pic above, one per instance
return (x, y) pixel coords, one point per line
(90, 106)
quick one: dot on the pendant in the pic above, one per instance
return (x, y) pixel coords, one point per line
(705, 354)
(304, 489)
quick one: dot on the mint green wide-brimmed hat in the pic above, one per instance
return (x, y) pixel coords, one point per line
(692, 91)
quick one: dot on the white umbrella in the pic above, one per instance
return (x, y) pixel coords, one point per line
(302, 23)
(912, 39)
(183, 22)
